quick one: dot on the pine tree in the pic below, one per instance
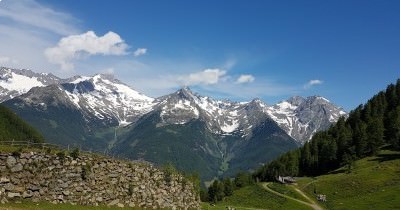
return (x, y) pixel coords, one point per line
(392, 133)
(228, 187)
(375, 131)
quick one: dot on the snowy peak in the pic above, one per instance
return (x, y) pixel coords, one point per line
(107, 98)
(103, 98)
(14, 82)
(302, 117)
(178, 108)
(299, 117)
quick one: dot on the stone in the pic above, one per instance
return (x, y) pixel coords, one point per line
(17, 168)
(66, 192)
(27, 194)
(13, 195)
(64, 185)
(33, 188)
(4, 201)
(131, 204)
(11, 161)
(99, 199)
(113, 203)
(4, 180)
(9, 187)
(19, 189)
(120, 205)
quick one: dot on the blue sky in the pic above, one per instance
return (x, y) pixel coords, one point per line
(345, 51)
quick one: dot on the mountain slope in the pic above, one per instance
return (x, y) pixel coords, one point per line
(220, 136)
(14, 128)
(181, 129)
(299, 117)
(302, 117)
(50, 111)
(107, 98)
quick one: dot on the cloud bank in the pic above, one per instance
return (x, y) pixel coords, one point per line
(73, 47)
(205, 77)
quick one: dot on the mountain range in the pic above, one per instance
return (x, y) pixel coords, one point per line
(194, 132)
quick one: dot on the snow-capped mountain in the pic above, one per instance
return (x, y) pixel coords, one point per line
(105, 99)
(14, 82)
(100, 96)
(302, 117)
(299, 117)
(192, 131)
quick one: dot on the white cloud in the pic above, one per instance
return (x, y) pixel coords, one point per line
(205, 77)
(74, 46)
(139, 52)
(27, 28)
(245, 78)
(311, 83)
(29, 13)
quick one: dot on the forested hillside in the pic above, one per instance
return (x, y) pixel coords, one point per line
(363, 133)
(13, 128)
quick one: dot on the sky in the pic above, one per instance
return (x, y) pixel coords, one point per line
(343, 50)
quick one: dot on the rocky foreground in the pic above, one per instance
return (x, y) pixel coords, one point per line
(92, 180)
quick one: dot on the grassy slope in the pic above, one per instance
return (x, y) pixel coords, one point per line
(286, 190)
(256, 197)
(374, 183)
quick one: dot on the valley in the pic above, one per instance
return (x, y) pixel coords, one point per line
(102, 114)
(214, 105)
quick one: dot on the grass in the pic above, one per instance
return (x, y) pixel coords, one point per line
(374, 183)
(286, 190)
(49, 206)
(256, 197)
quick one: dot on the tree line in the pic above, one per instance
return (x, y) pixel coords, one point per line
(363, 133)
(14, 128)
(225, 187)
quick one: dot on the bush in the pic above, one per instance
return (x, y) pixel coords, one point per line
(169, 171)
(61, 155)
(75, 153)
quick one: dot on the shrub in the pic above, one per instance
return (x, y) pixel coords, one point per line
(61, 155)
(169, 171)
(75, 153)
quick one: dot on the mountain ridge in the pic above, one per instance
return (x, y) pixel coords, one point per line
(194, 132)
(109, 99)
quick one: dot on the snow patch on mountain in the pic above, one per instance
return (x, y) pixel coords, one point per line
(20, 83)
(108, 98)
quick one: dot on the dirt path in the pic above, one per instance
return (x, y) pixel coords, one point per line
(311, 203)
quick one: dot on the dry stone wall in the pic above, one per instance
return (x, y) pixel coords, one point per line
(90, 180)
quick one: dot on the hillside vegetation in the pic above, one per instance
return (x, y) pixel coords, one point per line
(256, 197)
(14, 128)
(362, 134)
(374, 183)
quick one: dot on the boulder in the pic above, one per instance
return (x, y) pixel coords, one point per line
(17, 168)
(11, 161)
